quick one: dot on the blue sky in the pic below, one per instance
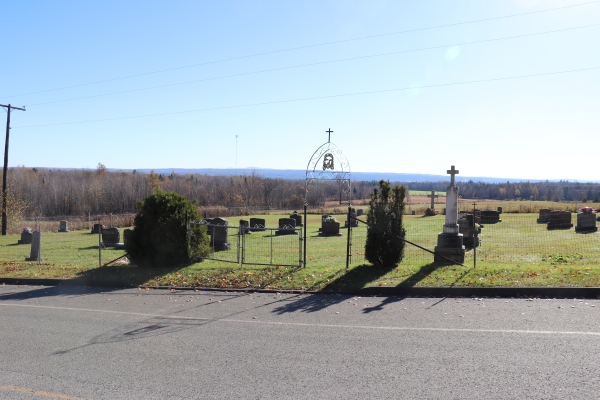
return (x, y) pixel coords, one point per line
(217, 61)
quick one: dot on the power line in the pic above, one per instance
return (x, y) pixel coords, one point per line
(319, 97)
(316, 63)
(309, 46)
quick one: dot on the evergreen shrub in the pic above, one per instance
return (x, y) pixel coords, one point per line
(160, 237)
(385, 245)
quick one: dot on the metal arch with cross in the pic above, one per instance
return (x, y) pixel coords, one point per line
(452, 172)
(433, 196)
(328, 163)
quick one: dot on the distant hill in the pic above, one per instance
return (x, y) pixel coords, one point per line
(301, 174)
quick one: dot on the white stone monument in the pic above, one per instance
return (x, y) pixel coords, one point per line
(450, 241)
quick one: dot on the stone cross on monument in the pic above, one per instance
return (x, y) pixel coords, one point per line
(433, 196)
(451, 225)
(450, 241)
(452, 172)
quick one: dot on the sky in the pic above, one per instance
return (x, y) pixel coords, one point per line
(498, 88)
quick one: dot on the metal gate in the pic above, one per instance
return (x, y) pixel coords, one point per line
(256, 245)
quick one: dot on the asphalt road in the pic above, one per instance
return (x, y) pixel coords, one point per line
(72, 342)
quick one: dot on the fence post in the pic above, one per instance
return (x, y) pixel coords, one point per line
(305, 230)
(474, 238)
(100, 246)
(271, 236)
(241, 244)
(348, 246)
(300, 245)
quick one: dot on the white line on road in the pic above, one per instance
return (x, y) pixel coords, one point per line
(255, 321)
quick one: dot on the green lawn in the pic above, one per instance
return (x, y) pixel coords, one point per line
(514, 252)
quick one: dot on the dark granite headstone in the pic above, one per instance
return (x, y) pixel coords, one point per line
(560, 220)
(544, 217)
(220, 234)
(297, 217)
(353, 222)
(96, 228)
(127, 235)
(36, 244)
(490, 217)
(244, 227)
(287, 226)
(257, 224)
(466, 228)
(111, 235)
(329, 227)
(26, 236)
(64, 226)
(470, 212)
(586, 222)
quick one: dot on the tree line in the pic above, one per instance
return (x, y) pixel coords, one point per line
(52, 192)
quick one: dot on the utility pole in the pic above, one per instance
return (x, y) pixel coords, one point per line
(4, 194)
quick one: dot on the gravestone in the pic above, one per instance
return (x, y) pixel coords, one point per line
(586, 222)
(329, 227)
(96, 228)
(297, 217)
(26, 236)
(490, 217)
(64, 226)
(544, 217)
(257, 224)
(244, 227)
(359, 212)
(220, 234)
(287, 226)
(560, 220)
(466, 228)
(433, 196)
(477, 215)
(500, 210)
(36, 245)
(353, 222)
(127, 235)
(450, 242)
(111, 236)
(323, 219)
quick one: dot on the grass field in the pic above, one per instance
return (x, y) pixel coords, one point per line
(514, 252)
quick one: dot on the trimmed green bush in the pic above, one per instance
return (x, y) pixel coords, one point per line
(160, 237)
(384, 246)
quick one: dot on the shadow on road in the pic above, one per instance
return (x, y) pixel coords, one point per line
(52, 291)
(354, 280)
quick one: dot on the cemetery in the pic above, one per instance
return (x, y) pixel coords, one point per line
(525, 243)
(505, 257)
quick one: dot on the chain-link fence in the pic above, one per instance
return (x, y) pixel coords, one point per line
(515, 239)
(257, 245)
